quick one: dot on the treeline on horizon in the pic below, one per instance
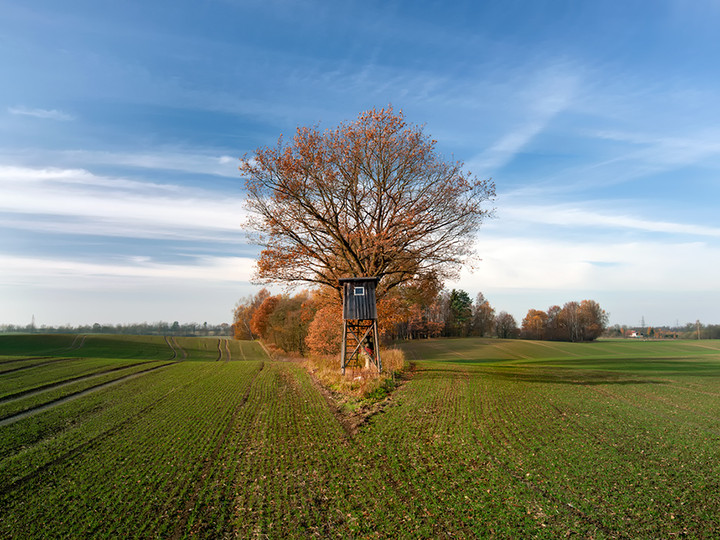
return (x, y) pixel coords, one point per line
(311, 321)
(160, 328)
(695, 330)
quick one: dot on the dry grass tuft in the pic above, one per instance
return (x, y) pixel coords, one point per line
(357, 383)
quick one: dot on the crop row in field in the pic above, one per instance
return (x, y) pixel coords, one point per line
(488, 438)
(33, 398)
(38, 348)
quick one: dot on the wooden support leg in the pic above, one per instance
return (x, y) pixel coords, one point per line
(344, 347)
(376, 338)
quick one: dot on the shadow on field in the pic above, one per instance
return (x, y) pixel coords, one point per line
(544, 376)
(583, 379)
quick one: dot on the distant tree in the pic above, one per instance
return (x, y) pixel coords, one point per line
(534, 325)
(483, 316)
(569, 318)
(243, 313)
(505, 326)
(287, 324)
(259, 324)
(460, 313)
(553, 329)
(584, 321)
(406, 311)
(436, 313)
(370, 198)
(593, 320)
(417, 325)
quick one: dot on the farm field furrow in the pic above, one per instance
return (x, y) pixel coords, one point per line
(45, 376)
(33, 401)
(487, 438)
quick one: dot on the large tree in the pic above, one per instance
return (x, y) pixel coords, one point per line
(372, 197)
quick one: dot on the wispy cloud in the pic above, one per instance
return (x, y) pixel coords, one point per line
(574, 216)
(666, 152)
(74, 273)
(173, 159)
(551, 93)
(48, 114)
(186, 160)
(76, 200)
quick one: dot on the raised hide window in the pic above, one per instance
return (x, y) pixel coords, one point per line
(359, 291)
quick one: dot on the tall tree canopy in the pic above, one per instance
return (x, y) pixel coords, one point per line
(370, 198)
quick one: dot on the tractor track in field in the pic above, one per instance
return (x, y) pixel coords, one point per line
(20, 368)
(176, 349)
(223, 347)
(77, 343)
(11, 419)
(23, 359)
(64, 382)
(179, 530)
(18, 482)
(74, 346)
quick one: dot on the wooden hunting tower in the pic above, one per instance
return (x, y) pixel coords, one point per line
(360, 344)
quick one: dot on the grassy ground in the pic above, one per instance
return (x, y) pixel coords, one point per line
(489, 438)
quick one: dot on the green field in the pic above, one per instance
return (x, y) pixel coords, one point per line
(110, 436)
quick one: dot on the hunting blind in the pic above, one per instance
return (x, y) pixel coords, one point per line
(360, 343)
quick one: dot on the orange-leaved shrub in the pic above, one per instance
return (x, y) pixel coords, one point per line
(324, 335)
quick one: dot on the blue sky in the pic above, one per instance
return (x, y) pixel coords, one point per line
(121, 124)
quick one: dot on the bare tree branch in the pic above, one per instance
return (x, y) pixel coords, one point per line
(371, 197)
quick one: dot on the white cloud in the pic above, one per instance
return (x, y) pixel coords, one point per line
(68, 273)
(49, 114)
(575, 216)
(75, 200)
(168, 159)
(172, 159)
(555, 264)
(662, 153)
